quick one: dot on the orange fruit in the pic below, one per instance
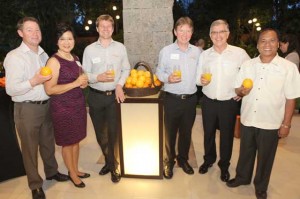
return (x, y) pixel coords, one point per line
(147, 74)
(157, 83)
(154, 77)
(133, 71)
(148, 80)
(140, 72)
(128, 80)
(134, 75)
(142, 78)
(139, 84)
(45, 71)
(207, 76)
(127, 85)
(247, 83)
(146, 85)
(133, 81)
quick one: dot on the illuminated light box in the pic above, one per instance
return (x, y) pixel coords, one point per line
(141, 137)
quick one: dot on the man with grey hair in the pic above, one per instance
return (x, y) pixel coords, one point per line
(216, 71)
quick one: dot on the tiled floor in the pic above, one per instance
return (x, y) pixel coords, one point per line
(284, 183)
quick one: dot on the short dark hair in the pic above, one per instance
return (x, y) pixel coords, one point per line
(21, 22)
(293, 43)
(269, 29)
(62, 28)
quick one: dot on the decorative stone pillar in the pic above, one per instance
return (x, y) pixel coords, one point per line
(148, 26)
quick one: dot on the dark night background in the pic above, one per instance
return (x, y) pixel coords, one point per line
(281, 14)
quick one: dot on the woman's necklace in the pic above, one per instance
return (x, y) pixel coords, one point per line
(68, 57)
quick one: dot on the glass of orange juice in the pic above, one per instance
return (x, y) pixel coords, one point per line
(207, 74)
(177, 71)
(110, 69)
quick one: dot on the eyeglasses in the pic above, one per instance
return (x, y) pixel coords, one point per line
(222, 32)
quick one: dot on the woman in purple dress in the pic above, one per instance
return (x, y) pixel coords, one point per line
(67, 103)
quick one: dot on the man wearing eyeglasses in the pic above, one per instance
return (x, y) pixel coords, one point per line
(216, 72)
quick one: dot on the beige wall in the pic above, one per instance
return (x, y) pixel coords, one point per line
(148, 28)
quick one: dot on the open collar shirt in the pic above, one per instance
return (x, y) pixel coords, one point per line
(224, 67)
(95, 61)
(21, 64)
(171, 56)
(273, 83)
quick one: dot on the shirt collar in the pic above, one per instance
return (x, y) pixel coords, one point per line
(177, 47)
(275, 60)
(227, 49)
(99, 43)
(26, 49)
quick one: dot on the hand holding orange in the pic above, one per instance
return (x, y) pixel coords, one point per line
(45, 71)
(247, 83)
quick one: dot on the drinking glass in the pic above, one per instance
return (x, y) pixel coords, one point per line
(177, 71)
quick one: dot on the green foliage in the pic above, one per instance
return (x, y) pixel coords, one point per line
(49, 13)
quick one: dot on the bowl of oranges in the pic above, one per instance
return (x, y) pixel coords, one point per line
(142, 83)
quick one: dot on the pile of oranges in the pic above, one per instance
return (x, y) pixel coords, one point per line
(141, 79)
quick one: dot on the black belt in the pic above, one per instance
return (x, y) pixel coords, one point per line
(103, 92)
(36, 102)
(182, 96)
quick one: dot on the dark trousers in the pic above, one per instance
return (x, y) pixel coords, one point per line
(104, 117)
(260, 142)
(218, 115)
(179, 117)
(35, 130)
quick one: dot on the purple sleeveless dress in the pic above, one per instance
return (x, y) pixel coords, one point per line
(68, 110)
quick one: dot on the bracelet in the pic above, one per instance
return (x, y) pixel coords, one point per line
(286, 126)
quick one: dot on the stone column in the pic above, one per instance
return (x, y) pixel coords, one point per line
(148, 26)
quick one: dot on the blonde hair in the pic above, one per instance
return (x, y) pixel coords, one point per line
(182, 21)
(105, 18)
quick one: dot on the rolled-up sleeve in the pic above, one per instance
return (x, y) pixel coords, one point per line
(15, 83)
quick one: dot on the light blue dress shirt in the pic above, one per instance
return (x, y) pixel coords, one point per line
(171, 56)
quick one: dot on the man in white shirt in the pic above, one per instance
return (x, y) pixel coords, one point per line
(266, 112)
(24, 84)
(220, 103)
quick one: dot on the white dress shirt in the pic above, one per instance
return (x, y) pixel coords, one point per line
(224, 68)
(273, 83)
(21, 64)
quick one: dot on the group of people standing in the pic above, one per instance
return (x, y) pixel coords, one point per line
(266, 107)
(266, 111)
(42, 121)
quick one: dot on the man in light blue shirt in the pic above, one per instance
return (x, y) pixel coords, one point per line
(177, 69)
(106, 64)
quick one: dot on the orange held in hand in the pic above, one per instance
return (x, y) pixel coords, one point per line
(247, 83)
(45, 71)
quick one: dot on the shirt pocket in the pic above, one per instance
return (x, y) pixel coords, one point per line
(230, 68)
